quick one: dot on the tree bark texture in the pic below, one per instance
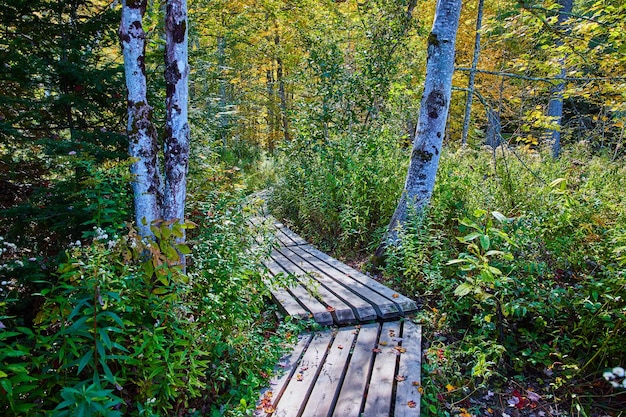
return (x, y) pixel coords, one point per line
(176, 143)
(555, 107)
(431, 124)
(142, 135)
(472, 74)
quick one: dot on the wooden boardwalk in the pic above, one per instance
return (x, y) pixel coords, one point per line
(369, 370)
(327, 290)
(367, 365)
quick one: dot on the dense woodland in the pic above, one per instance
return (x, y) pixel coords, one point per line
(517, 257)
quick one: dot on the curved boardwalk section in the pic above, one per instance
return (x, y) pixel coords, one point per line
(325, 289)
(371, 369)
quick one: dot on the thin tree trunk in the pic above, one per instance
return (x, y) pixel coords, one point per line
(472, 75)
(283, 98)
(555, 107)
(176, 145)
(221, 63)
(142, 135)
(433, 115)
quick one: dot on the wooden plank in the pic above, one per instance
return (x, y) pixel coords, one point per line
(312, 305)
(404, 303)
(363, 309)
(326, 388)
(385, 308)
(342, 312)
(355, 381)
(297, 392)
(284, 373)
(407, 391)
(378, 401)
(288, 304)
(297, 240)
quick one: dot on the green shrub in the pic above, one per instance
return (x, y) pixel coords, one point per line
(340, 192)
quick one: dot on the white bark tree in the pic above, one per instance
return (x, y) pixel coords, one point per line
(176, 145)
(555, 107)
(433, 115)
(142, 135)
(472, 74)
(152, 201)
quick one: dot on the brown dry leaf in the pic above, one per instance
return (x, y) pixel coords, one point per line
(376, 350)
(383, 343)
(299, 377)
(400, 349)
(340, 347)
(270, 409)
(415, 383)
(412, 404)
(330, 309)
(396, 295)
(400, 378)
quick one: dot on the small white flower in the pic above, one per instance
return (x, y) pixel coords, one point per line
(619, 371)
(608, 375)
(71, 153)
(615, 384)
(32, 259)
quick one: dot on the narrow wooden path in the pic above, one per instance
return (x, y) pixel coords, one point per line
(327, 290)
(367, 364)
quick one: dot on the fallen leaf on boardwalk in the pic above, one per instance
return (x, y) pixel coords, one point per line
(415, 383)
(412, 404)
(420, 390)
(304, 368)
(396, 295)
(400, 378)
(269, 410)
(299, 377)
(376, 350)
(400, 349)
(383, 343)
(330, 309)
(340, 347)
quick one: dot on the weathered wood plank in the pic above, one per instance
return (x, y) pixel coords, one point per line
(408, 396)
(283, 374)
(297, 240)
(385, 308)
(288, 304)
(404, 303)
(355, 381)
(326, 389)
(363, 309)
(299, 387)
(342, 312)
(310, 303)
(378, 401)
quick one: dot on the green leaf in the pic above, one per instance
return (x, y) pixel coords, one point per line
(470, 237)
(463, 290)
(84, 361)
(499, 216)
(456, 261)
(485, 242)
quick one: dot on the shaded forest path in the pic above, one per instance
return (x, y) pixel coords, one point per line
(367, 363)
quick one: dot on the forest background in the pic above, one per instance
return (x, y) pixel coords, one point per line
(518, 262)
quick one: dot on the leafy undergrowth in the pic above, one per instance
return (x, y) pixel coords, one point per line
(117, 327)
(519, 264)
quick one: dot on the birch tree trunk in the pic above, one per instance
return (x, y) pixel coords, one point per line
(555, 107)
(176, 143)
(472, 74)
(431, 124)
(142, 135)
